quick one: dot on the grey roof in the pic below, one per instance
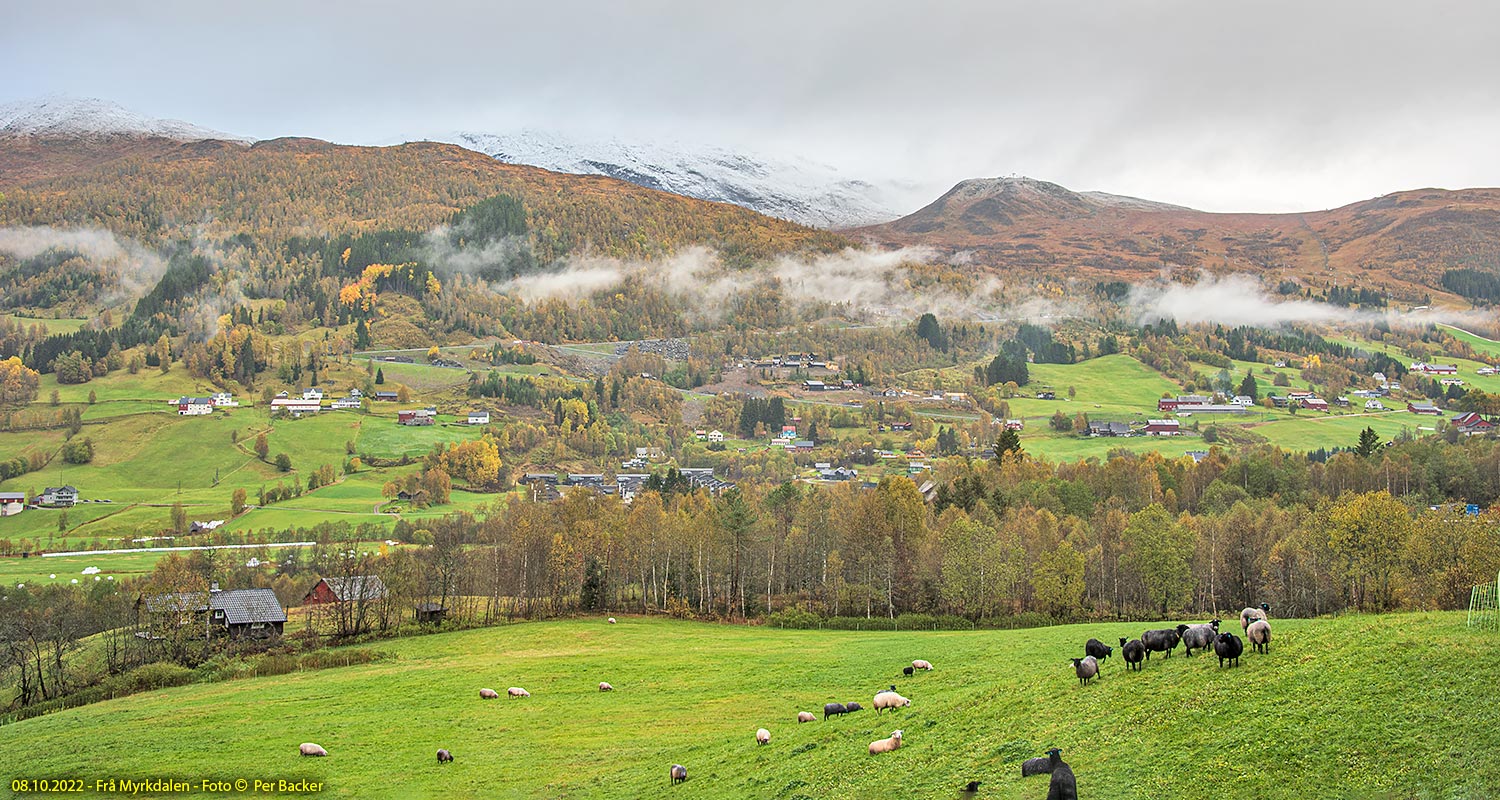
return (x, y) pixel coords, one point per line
(361, 587)
(244, 606)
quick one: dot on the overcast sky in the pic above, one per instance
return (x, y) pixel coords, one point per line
(1255, 106)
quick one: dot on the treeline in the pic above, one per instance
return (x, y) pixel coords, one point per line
(1473, 284)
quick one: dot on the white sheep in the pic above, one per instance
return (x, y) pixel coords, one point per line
(489, 694)
(805, 716)
(920, 664)
(1259, 634)
(762, 736)
(604, 687)
(516, 691)
(886, 745)
(1250, 615)
(611, 620)
(884, 700)
(310, 749)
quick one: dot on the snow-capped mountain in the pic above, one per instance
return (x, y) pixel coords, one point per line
(799, 190)
(92, 117)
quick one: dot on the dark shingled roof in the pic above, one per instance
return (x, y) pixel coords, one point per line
(243, 606)
(357, 587)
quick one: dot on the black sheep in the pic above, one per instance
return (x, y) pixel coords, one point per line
(444, 756)
(1162, 640)
(1228, 647)
(1099, 650)
(833, 710)
(1133, 652)
(853, 707)
(1063, 787)
(971, 789)
(907, 671)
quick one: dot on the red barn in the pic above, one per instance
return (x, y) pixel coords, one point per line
(339, 590)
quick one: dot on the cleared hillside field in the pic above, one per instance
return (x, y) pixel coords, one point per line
(1352, 707)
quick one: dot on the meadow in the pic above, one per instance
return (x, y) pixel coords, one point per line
(1356, 707)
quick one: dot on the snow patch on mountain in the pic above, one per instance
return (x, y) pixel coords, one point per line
(59, 116)
(795, 189)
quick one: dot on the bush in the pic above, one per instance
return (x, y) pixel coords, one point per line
(794, 618)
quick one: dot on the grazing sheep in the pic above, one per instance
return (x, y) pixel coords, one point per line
(679, 773)
(516, 691)
(806, 716)
(853, 707)
(1041, 765)
(884, 700)
(611, 620)
(920, 664)
(762, 736)
(970, 789)
(310, 749)
(886, 745)
(1063, 787)
(907, 671)
(1133, 652)
(444, 756)
(1161, 640)
(1228, 647)
(604, 687)
(1199, 637)
(1086, 667)
(1250, 615)
(833, 710)
(489, 694)
(1099, 650)
(1259, 634)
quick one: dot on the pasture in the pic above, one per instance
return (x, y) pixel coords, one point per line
(1357, 706)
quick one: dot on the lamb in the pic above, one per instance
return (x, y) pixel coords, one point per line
(488, 694)
(611, 620)
(444, 756)
(884, 700)
(1099, 650)
(310, 749)
(886, 745)
(907, 671)
(971, 788)
(1086, 667)
(679, 773)
(762, 736)
(1063, 787)
(1160, 640)
(1250, 615)
(1133, 651)
(1259, 634)
(605, 687)
(806, 716)
(920, 664)
(1199, 637)
(853, 707)
(1228, 647)
(516, 691)
(833, 710)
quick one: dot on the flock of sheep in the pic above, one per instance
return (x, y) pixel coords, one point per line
(1063, 786)
(1225, 645)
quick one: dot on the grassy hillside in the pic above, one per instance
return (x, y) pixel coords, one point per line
(1352, 707)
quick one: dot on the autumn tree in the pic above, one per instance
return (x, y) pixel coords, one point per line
(237, 502)
(262, 446)
(1157, 554)
(1368, 532)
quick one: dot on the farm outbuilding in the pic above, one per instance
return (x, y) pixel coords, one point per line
(344, 589)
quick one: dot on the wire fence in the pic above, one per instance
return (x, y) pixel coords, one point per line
(1484, 606)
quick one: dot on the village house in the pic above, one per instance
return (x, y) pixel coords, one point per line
(802, 445)
(1451, 381)
(414, 417)
(1424, 408)
(344, 589)
(12, 503)
(239, 613)
(479, 417)
(1472, 423)
(781, 441)
(1162, 427)
(386, 397)
(700, 434)
(1046, 395)
(312, 394)
(716, 436)
(900, 426)
(343, 403)
(1108, 429)
(1314, 404)
(837, 474)
(224, 400)
(1374, 405)
(59, 497)
(814, 386)
(194, 406)
(1211, 408)
(1242, 400)
(295, 406)
(1014, 424)
(1434, 369)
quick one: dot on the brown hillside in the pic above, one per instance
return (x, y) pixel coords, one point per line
(1401, 242)
(153, 189)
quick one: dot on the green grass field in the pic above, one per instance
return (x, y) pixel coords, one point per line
(1479, 343)
(1354, 707)
(54, 326)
